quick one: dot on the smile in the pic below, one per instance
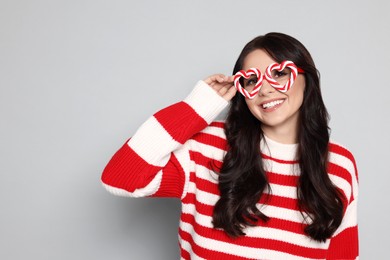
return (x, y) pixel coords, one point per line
(272, 104)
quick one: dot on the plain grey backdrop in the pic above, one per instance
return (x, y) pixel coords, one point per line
(78, 77)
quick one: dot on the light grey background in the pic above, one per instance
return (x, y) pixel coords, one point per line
(78, 77)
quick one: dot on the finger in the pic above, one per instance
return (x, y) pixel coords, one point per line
(229, 79)
(222, 91)
(228, 85)
(214, 78)
(219, 83)
(230, 93)
(221, 78)
(224, 88)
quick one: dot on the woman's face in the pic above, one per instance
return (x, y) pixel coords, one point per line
(278, 112)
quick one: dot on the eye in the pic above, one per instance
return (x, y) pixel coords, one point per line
(250, 82)
(280, 74)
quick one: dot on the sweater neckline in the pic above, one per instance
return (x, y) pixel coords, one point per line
(274, 149)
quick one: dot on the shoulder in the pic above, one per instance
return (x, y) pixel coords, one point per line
(209, 142)
(342, 169)
(342, 156)
(215, 128)
(337, 148)
(212, 135)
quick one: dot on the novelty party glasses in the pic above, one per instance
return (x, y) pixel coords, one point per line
(279, 76)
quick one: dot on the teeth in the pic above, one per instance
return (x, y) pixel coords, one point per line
(273, 103)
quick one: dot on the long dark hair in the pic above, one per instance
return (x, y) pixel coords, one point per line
(242, 178)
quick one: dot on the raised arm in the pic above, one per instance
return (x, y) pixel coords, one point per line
(155, 161)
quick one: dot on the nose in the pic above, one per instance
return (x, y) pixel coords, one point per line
(266, 89)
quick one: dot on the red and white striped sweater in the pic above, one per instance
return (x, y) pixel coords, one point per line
(173, 154)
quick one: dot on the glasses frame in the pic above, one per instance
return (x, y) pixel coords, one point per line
(268, 77)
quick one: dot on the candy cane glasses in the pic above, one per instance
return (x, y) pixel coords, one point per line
(279, 76)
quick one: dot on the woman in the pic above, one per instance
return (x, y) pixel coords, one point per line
(265, 184)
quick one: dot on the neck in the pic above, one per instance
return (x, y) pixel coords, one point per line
(285, 132)
(284, 135)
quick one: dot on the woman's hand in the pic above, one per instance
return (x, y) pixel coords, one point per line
(223, 85)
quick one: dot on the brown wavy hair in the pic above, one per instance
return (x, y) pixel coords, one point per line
(242, 178)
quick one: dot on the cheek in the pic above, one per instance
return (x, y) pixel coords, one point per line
(248, 102)
(297, 92)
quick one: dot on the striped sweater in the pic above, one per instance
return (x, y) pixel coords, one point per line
(175, 154)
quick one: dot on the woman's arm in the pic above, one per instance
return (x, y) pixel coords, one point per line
(155, 161)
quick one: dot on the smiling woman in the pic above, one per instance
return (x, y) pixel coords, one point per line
(266, 183)
(277, 111)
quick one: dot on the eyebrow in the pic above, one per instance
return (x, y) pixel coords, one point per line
(251, 77)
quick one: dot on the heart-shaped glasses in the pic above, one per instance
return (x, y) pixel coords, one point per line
(279, 76)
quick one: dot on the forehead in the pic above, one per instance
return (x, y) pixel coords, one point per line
(257, 59)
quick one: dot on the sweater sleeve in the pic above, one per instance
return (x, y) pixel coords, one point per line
(156, 160)
(345, 242)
